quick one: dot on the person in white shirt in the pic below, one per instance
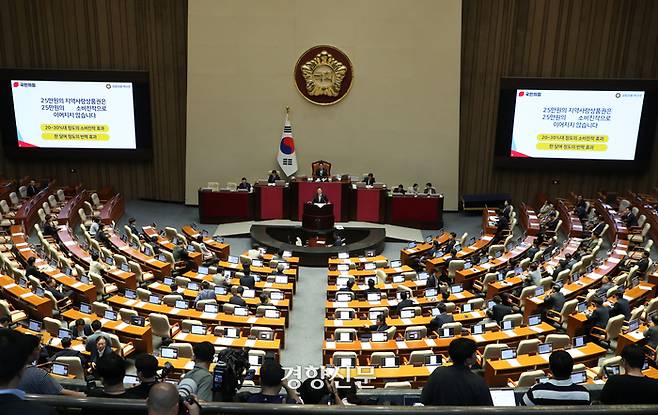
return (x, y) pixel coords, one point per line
(94, 227)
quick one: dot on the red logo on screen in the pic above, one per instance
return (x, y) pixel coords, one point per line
(521, 93)
(15, 84)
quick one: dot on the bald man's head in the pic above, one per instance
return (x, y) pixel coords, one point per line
(163, 399)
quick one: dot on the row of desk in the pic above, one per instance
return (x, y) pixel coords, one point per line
(286, 202)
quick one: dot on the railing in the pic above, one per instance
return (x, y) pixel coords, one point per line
(64, 404)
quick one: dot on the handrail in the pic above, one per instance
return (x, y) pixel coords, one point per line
(59, 401)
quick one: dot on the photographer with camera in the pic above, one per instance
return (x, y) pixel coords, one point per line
(164, 399)
(203, 357)
(272, 380)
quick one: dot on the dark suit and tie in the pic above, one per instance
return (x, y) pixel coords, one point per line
(321, 173)
(320, 198)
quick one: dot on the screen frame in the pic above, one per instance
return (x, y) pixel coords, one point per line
(141, 108)
(505, 125)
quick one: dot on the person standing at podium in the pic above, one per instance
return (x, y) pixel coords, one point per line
(273, 177)
(320, 197)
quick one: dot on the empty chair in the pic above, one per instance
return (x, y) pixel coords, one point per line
(126, 314)
(611, 361)
(516, 319)
(455, 326)
(257, 330)
(102, 289)
(52, 325)
(261, 309)
(476, 303)
(170, 300)
(99, 308)
(338, 358)
(182, 281)
(454, 266)
(528, 346)
(96, 201)
(341, 333)
(381, 276)
(186, 325)
(141, 276)
(529, 378)
(415, 332)
(377, 358)
(558, 341)
(5, 209)
(14, 200)
(83, 218)
(560, 319)
(53, 203)
(120, 260)
(494, 250)
(184, 350)
(201, 304)
(611, 331)
(74, 364)
(419, 357)
(60, 196)
(143, 294)
(160, 325)
(491, 352)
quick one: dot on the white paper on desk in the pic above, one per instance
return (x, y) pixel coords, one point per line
(69, 243)
(575, 353)
(638, 335)
(430, 342)
(223, 341)
(252, 320)
(401, 344)
(181, 336)
(25, 295)
(189, 365)
(398, 269)
(509, 333)
(208, 316)
(174, 311)
(121, 326)
(407, 321)
(139, 304)
(79, 347)
(537, 328)
(54, 341)
(388, 286)
(366, 346)
(644, 287)
(10, 286)
(339, 227)
(487, 238)
(250, 343)
(338, 323)
(619, 252)
(478, 338)
(486, 265)
(330, 345)
(544, 356)
(513, 362)
(341, 304)
(614, 260)
(459, 295)
(431, 368)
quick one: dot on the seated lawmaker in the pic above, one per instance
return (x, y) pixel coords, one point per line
(399, 190)
(244, 185)
(321, 172)
(429, 190)
(369, 180)
(320, 197)
(273, 177)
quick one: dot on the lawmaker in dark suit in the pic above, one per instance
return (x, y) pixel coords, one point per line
(248, 281)
(15, 350)
(273, 177)
(32, 188)
(369, 180)
(554, 299)
(405, 301)
(621, 306)
(237, 298)
(68, 352)
(320, 197)
(244, 185)
(499, 310)
(321, 172)
(599, 317)
(380, 324)
(440, 319)
(82, 329)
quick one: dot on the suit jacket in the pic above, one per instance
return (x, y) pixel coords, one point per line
(248, 281)
(622, 306)
(13, 405)
(320, 199)
(499, 311)
(555, 301)
(405, 303)
(599, 317)
(438, 321)
(272, 178)
(237, 301)
(32, 190)
(369, 181)
(321, 172)
(631, 220)
(598, 229)
(643, 265)
(245, 186)
(552, 224)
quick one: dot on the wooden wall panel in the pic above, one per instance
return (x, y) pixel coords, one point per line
(108, 35)
(547, 38)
